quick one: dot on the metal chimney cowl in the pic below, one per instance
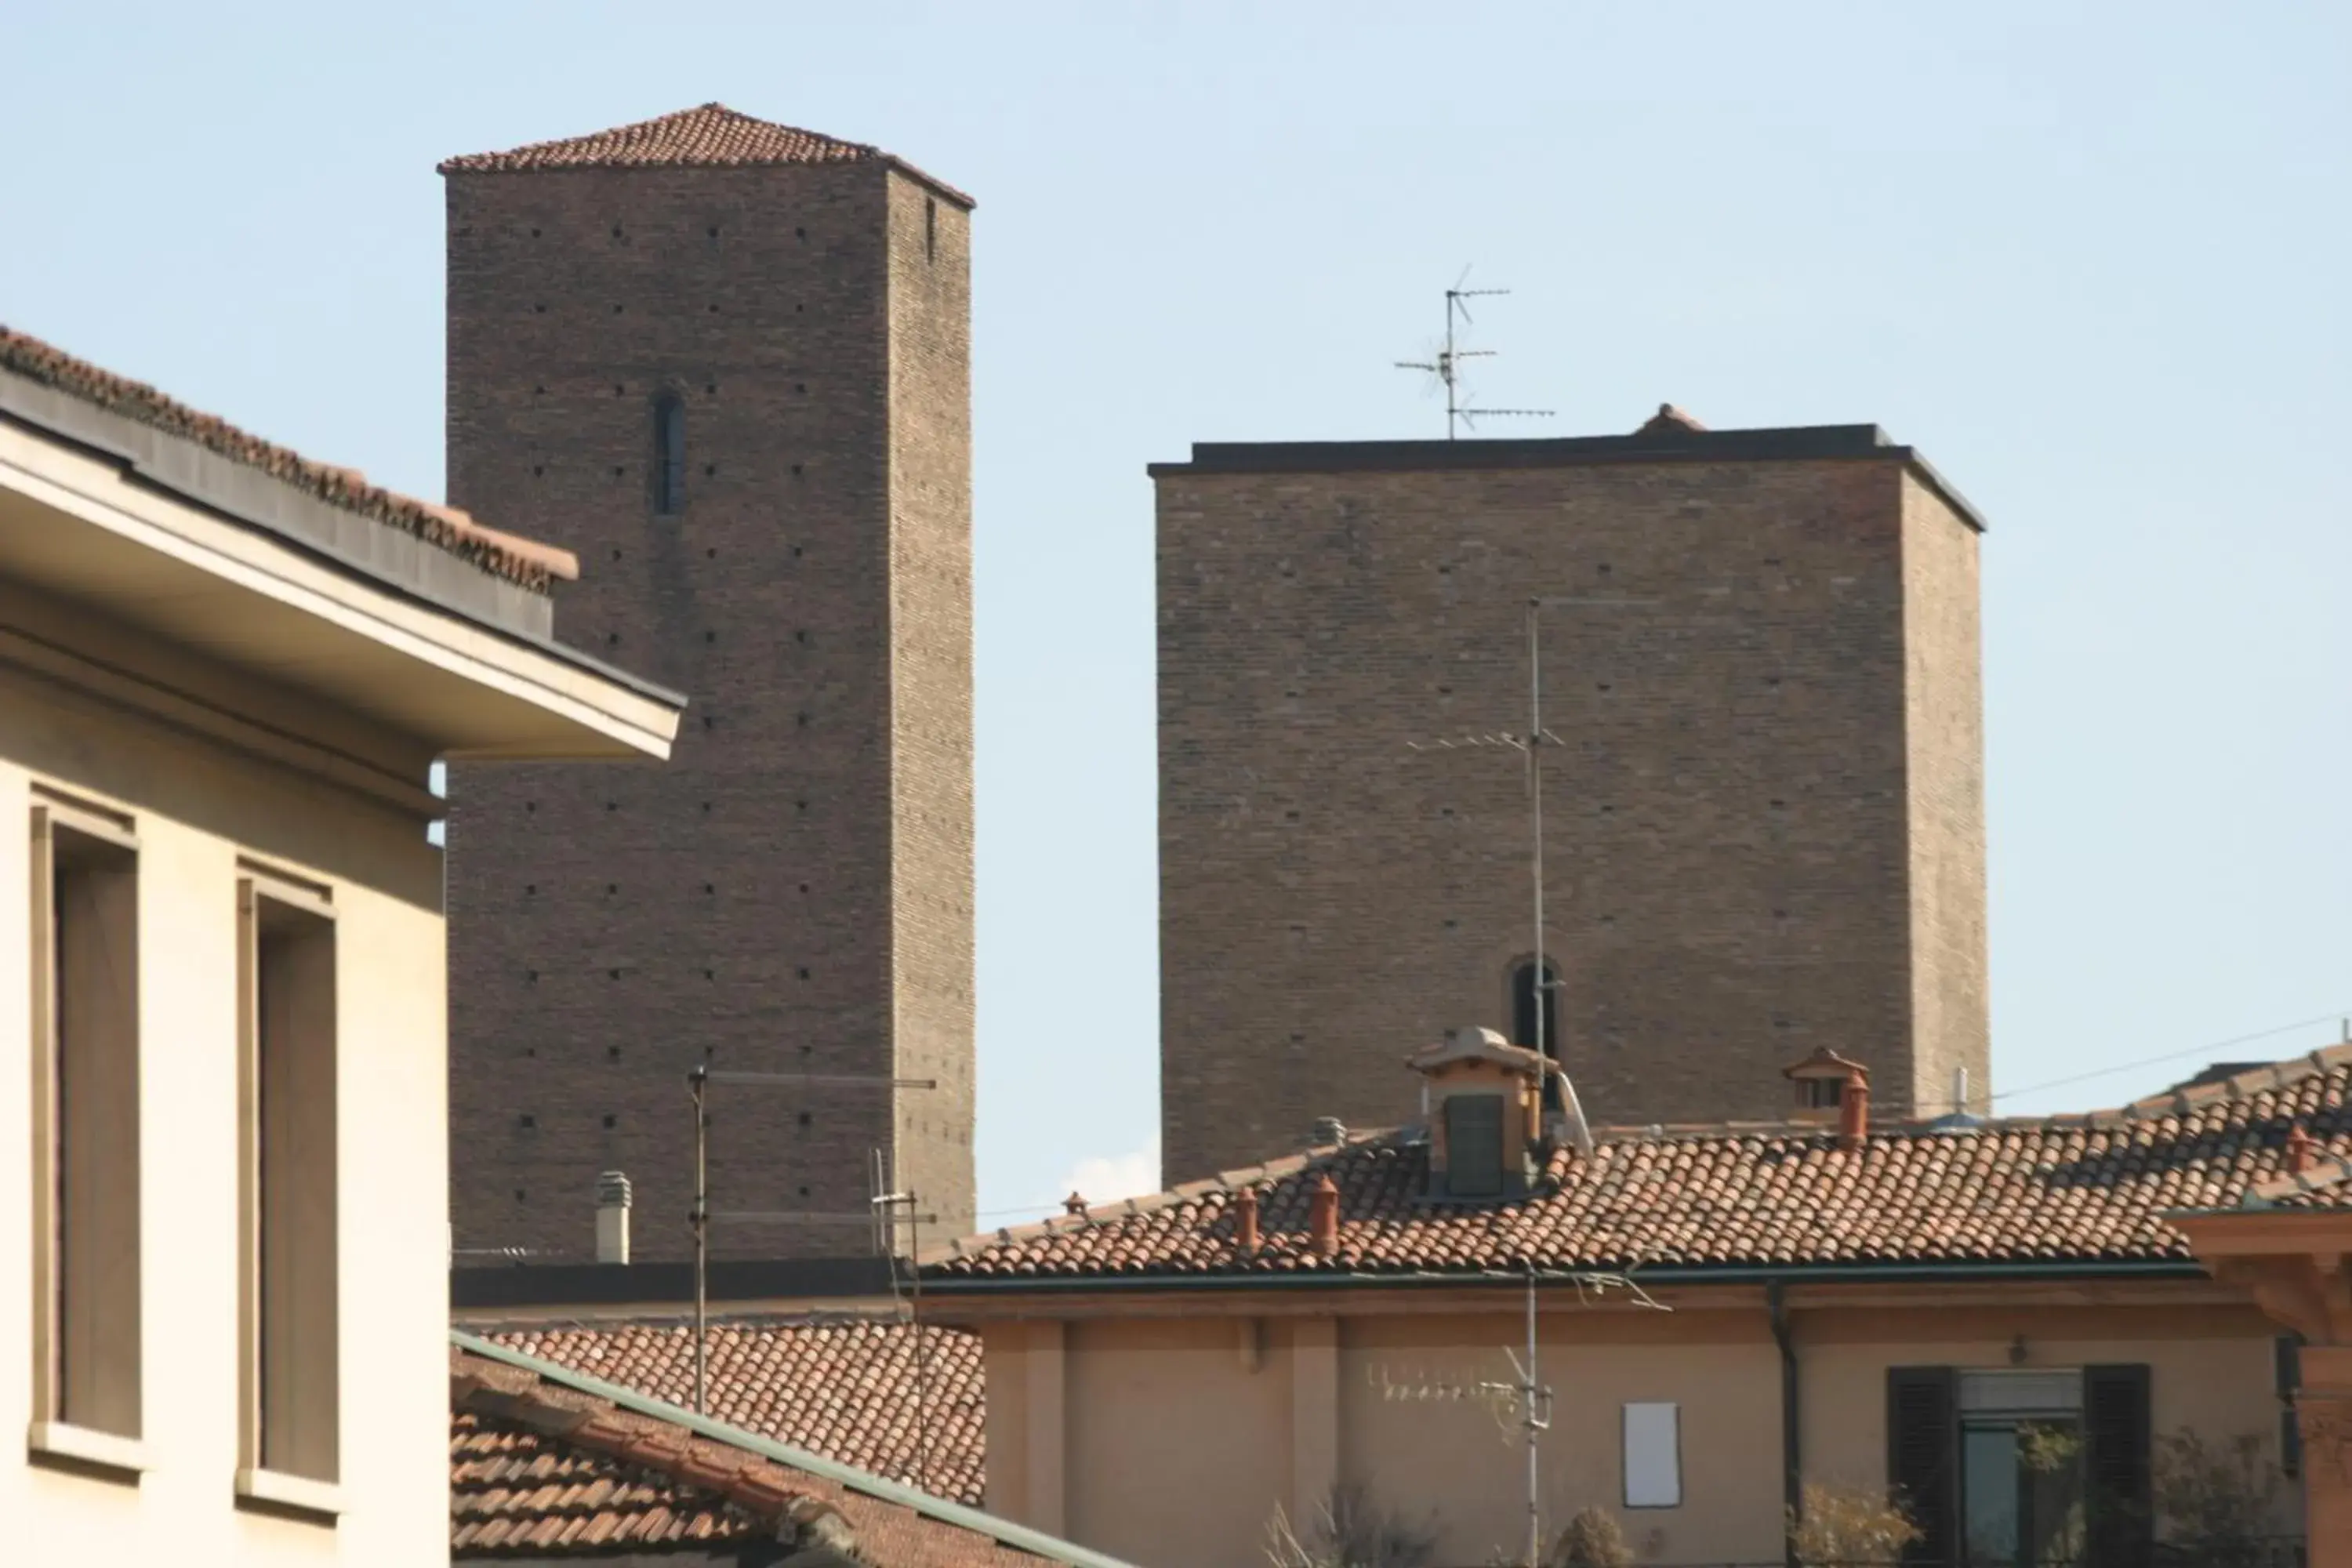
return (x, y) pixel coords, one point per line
(613, 1201)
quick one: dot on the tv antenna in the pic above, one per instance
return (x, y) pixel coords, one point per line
(1444, 363)
(893, 1207)
(699, 1079)
(1525, 1400)
(1531, 744)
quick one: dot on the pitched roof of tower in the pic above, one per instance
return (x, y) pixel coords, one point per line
(523, 560)
(2051, 1192)
(710, 136)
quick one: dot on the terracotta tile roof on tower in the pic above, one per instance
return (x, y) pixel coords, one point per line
(841, 1387)
(523, 560)
(710, 136)
(546, 1464)
(2056, 1191)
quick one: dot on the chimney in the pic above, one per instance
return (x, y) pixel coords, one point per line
(1323, 1217)
(1853, 1109)
(2298, 1150)
(612, 1218)
(1329, 1132)
(1074, 1203)
(1245, 1221)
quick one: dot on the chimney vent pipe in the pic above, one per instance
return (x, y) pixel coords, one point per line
(612, 1218)
(1854, 1110)
(1323, 1217)
(1245, 1221)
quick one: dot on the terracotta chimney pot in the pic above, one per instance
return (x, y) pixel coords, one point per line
(1854, 1110)
(2298, 1150)
(1323, 1217)
(1245, 1221)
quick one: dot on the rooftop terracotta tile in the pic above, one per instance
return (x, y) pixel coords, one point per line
(844, 1387)
(539, 1468)
(710, 136)
(2061, 1190)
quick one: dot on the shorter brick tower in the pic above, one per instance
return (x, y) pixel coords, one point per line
(726, 363)
(1764, 818)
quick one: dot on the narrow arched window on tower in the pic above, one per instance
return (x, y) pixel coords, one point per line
(669, 453)
(1527, 996)
(1530, 1002)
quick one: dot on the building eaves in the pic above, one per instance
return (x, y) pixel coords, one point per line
(76, 389)
(418, 550)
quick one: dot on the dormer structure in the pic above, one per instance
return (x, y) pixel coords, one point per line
(1485, 1102)
(1821, 1082)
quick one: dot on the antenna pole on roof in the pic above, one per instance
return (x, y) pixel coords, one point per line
(1445, 363)
(699, 1079)
(1531, 744)
(885, 1206)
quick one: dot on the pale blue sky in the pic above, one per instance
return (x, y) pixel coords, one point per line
(2089, 258)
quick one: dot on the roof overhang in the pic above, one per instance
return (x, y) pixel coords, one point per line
(82, 530)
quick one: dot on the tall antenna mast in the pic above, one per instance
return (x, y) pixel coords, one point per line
(1531, 745)
(1446, 365)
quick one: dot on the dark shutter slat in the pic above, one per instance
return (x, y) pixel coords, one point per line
(1923, 1457)
(2116, 1462)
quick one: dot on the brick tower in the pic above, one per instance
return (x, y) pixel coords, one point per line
(728, 362)
(1764, 823)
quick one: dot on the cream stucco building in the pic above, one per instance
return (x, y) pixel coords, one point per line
(2004, 1322)
(224, 675)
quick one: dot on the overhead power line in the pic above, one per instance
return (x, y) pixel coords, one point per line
(2338, 1015)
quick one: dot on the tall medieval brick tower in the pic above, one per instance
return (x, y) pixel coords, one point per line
(1764, 817)
(726, 363)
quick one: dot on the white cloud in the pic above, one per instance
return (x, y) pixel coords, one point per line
(1101, 1178)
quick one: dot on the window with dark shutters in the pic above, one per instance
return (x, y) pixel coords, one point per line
(1922, 1457)
(2116, 1441)
(1473, 1145)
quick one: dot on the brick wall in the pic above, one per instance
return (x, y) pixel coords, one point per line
(1944, 731)
(608, 926)
(931, 696)
(1740, 866)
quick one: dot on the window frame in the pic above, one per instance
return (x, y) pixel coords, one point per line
(305, 1483)
(63, 833)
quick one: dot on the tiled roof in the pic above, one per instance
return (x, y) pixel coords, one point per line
(2064, 1190)
(844, 1387)
(545, 1463)
(611, 1482)
(711, 136)
(523, 560)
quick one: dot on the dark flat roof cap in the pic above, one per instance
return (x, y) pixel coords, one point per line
(1796, 442)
